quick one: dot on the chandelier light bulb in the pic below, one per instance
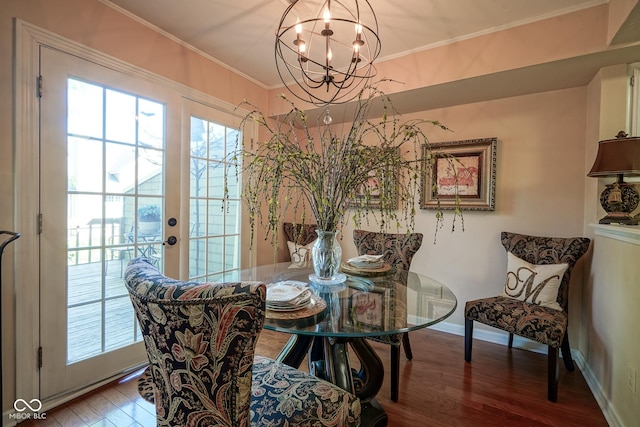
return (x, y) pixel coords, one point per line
(327, 16)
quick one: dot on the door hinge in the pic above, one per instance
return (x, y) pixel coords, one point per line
(40, 86)
(632, 80)
(39, 223)
(39, 357)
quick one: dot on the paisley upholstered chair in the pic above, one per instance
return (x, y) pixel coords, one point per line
(300, 234)
(514, 312)
(398, 250)
(200, 340)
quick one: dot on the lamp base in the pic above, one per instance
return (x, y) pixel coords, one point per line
(620, 218)
(619, 208)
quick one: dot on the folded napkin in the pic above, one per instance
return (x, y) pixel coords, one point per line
(285, 291)
(364, 259)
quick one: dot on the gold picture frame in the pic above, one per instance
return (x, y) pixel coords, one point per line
(465, 170)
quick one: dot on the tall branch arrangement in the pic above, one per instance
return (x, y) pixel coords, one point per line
(307, 168)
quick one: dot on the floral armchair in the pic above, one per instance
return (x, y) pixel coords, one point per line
(398, 250)
(200, 340)
(530, 320)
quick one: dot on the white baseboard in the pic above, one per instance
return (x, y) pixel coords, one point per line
(495, 336)
(502, 338)
(6, 421)
(594, 385)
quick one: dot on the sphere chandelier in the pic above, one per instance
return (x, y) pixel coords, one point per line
(328, 53)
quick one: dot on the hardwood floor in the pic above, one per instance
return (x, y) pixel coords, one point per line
(437, 388)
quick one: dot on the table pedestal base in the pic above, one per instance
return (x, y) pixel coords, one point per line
(373, 414)
(328, 359)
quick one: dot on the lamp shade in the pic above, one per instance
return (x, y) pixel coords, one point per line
(619, 156)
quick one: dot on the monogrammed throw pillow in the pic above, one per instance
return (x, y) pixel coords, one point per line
(537, 284)
(300, 255)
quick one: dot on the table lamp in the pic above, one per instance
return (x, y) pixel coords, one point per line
(618, 157)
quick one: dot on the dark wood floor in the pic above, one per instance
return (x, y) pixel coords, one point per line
(437, 388)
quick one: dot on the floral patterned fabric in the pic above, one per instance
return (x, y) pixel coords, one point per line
(200, 340)
(284, 396)
(541, 324)
(299, 234)
(397, 249)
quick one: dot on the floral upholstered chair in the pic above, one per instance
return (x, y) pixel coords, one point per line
(200, 340)
(538, 268)
(398, 250)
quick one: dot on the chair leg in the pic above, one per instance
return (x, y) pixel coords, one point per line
(407, 346)
(395, 371)
(510, 340)
(552, 387)
(468, 338)
(566, 353)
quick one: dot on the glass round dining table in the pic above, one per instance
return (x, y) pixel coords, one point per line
(340, 316)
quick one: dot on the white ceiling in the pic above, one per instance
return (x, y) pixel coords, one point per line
(241, 33)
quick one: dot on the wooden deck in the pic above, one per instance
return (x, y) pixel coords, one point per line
(99, 312)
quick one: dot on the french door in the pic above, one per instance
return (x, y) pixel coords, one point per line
(122, 160)
(103, 152)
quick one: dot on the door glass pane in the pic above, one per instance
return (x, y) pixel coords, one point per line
(151, 124)
(119, 173)
(150, 176)
(217, 141)
(115, 152)
(121, 117)
(214, 222)
(85, 109)
(84, 175)
(232, 217)
(215, 249)
(84, 323)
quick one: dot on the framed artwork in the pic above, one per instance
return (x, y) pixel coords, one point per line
(370, 195)
(467, 168)
(368, 308)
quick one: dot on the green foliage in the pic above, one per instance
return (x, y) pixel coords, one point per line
(313, 169)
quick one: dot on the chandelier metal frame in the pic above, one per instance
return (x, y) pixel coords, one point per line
(349, 44)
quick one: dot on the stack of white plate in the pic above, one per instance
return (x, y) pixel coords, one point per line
(287, 295)
(366, 262)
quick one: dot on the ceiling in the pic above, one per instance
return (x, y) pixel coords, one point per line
(240, 34)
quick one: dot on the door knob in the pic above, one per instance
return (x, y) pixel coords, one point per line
(171, 240)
